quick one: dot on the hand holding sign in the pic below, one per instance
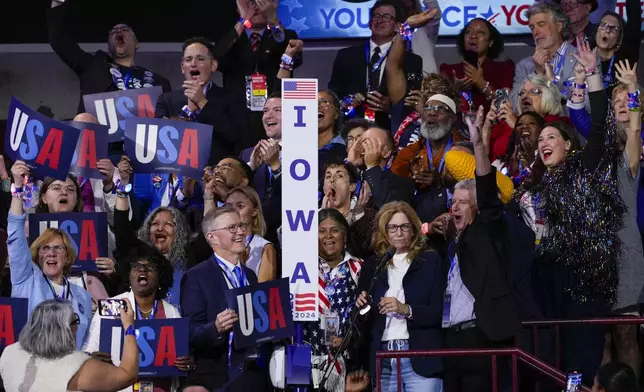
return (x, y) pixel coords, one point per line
(19, 171)
(225, 320)
(125, 170)
(107, 169)
(105, 265)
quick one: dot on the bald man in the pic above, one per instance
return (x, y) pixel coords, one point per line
(371, 152)
(101, 72)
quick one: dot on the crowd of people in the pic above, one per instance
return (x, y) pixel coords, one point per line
(456, 201)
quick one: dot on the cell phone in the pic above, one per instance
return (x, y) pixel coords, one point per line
(471, 57)
(414, 81)
(111, 307)
(573, 381)
(500, 96)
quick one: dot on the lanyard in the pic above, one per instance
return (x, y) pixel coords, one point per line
(66, 289)
(139, 316)
(430, 155)
(560, 63)
(452, 264)
(376, 66)
(608, 77)
(233, 281)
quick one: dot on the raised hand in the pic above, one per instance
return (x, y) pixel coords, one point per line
(294, 47)
(420, 20)
(585, 56)
(476, 136)
(245, 11)
(626, 74)
(19, 170)
(268, 8)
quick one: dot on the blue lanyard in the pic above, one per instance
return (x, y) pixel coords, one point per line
(560, 63)
(430, 155)
(452, 262)
(235, 284)
(66, 289)
(376, 66)
(139, 316)
(608, 77)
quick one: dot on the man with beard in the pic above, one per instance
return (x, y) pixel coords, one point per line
(200, 100)
(101, 72)
(553, 55)
(423, 160)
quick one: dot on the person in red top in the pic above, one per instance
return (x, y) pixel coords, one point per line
(479, 43)
(537, 94)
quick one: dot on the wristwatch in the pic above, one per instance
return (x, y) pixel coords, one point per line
(122, 190)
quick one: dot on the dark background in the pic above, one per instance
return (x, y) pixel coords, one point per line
(24, 21)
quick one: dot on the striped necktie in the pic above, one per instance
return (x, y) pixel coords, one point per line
(254, 41)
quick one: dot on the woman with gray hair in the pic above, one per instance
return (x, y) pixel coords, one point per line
(45, 358)
(537, 94)
(166, 229)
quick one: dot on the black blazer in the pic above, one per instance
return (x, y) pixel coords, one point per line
(237, 60)
(349, 75)
(93, 70)
(202, 299)
(225, 111)
(387, 186)
(484, 263)
(424, 285)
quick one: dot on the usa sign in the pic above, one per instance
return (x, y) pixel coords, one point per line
(264, 312)
(160, 341)
(13, 318)
(91, 146)
(113, 108)
(46, 145)
(157, 145)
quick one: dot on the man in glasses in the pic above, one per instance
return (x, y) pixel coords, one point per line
(101, 72)
(578, 12)
(200, 100)
(203, 301)
(359, 77)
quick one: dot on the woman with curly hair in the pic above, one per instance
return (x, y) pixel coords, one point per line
(408, 292)
(149, 276)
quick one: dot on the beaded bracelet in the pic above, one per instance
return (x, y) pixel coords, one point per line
(578, 95)
(285, 66)
(406, 32)
(634, 95)
(591, 71)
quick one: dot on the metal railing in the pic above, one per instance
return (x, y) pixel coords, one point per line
(517, 354)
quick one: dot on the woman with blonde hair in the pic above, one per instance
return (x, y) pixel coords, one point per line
(40, 272)
(408, 292)
(261, 255)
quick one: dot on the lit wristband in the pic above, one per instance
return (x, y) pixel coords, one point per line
(245, 22)
(130, 331)
(287, 62)
(16, 191)
(406, 32)
(634, 104)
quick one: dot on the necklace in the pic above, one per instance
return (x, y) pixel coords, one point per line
(144, 312)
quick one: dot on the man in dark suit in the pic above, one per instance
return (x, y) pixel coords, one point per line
(203, 300)
(360, 70)
(254, 45)
(101, 72)
(479, 310)
(202, 101)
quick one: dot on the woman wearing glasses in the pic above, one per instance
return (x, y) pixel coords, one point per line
(149, 275)
(406, 300)
(46, 358)
(40, 272)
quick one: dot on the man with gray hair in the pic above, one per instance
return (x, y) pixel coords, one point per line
(553, 55)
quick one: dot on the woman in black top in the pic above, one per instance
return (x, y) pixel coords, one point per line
(618, 40)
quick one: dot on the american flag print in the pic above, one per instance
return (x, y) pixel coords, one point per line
(299, 90)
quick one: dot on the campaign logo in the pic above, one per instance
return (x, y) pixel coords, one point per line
(45, 145)
(91, 147)
(167, 146)
(264, 313)
(113, 108)
(160, 341)
(13, 318)
(87, 230)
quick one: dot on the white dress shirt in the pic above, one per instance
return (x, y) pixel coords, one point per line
(383, 51)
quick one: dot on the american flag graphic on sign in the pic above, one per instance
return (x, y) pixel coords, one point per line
(299, 90)
(305, 302)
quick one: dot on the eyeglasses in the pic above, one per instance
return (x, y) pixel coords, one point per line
(144, 267)
(324, 102)
(385, 17)
(609, 28)
(233, 228)
(59, 188)
(224, 167)
(75, 320)
(436, 108)
(58, 249)
(405, 227)
(533, 92)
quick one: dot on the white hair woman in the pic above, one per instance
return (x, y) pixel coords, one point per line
(46, 359)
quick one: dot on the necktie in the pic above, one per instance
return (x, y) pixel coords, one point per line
(238, 275)
(374, 76)
(87, 194)
(254, 41)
